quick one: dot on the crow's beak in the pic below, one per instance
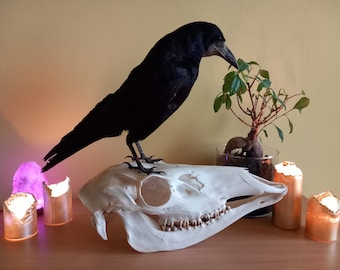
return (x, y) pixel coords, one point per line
(220, 49)
(227, 55)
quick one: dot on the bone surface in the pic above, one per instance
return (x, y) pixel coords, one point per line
(184, 206)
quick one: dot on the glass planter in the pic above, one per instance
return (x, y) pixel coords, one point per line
(263, 167)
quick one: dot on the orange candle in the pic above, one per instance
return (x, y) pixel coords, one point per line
(323, 215)
(287, 212)
(57, 203)
(20, 216)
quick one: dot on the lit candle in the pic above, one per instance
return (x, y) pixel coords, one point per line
(57, 203)
(323, 215)
(287, 212)
(20, 216)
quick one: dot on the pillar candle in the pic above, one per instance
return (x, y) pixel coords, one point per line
(323, 215)
(20, 216)
(287, 212)
(57, 203)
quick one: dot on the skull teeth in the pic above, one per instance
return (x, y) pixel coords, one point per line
(169, 225)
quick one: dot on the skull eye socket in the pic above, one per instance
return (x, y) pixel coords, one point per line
(155, 191)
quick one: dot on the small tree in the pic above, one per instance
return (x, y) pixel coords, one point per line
(259, 105)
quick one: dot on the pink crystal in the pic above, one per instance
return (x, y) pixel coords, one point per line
(28, 178)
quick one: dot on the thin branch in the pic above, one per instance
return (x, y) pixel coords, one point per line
(239, 118)
(271, 120)
(241, 108)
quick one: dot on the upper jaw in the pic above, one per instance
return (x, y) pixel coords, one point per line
(239, 183)
(220, 48)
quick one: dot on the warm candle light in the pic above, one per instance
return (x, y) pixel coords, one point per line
(332, 203)
(60, 188)
(287, 212)
(323, 215)
(58, 203)
(20, 216)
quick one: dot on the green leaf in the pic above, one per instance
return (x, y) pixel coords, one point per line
(259, 87)
(229, 76)
(218, 103)
(227, 102)
(228, 79)
(235, 85)
(290, 126)
(280, 133)
(243, 88)
(282, 92)
(266, 83)
(253, 63)
(274, 97)
(281, 102)
(302, 103)
(264, 73)
(268, 93)
(265, 133)
(242, 65)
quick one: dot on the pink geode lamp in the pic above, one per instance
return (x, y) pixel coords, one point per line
(28, 178)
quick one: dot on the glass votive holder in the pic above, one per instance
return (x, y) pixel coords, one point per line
(20, 216)
(323, 215)
(57, 203)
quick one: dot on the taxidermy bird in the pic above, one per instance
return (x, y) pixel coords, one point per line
(153, 91)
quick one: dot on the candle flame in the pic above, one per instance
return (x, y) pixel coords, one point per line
(19, 203)
(332, 203)
(288, 168)
(59, 188)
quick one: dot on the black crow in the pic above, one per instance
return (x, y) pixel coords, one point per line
(153, 91)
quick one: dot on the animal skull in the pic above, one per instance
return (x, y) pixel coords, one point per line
(184, 206)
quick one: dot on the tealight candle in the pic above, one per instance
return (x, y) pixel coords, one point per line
(323, 215)
(57, 203)
(20, 216)
(287, 212)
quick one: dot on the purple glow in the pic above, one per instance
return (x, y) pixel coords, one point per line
(28, 178)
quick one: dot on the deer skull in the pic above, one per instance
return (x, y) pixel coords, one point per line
(184, 206)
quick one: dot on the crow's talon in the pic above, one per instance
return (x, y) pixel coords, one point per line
(130, 166)
(151, 160)
(146, 159)
(144, 170)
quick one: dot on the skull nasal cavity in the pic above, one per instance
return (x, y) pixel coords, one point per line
(155, 191)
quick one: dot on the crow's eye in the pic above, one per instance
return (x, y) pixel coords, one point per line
(220, 38)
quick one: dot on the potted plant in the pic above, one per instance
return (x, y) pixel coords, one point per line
(248, 94)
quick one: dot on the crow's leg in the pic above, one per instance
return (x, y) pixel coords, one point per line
(144, 157)
(140, 167)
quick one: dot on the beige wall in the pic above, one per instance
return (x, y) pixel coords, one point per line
(59, 58)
